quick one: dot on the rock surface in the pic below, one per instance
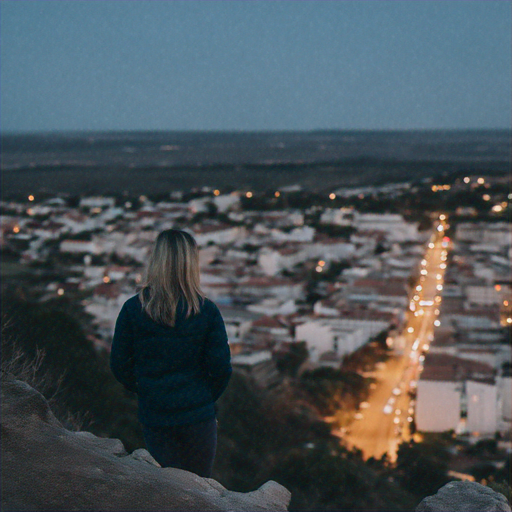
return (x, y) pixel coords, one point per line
(464, 497)
(48, 468)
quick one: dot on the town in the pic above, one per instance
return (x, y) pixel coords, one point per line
(287, 269)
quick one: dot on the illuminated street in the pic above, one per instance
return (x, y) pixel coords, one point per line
(385, 421)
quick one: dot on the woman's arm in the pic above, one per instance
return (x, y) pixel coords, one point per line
(218, 355)
(122, 360)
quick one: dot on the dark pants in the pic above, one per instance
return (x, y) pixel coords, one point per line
(190, 447)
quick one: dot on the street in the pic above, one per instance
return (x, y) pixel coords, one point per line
(384, 420)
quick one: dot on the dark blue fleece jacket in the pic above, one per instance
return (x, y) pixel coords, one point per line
(178, 372)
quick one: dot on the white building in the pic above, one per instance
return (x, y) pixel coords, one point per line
(97, 202)
(456, 394)
(482, 406)
(438, 404)
(338, 216)
(342, 336)
(79, 247)
(393, 224)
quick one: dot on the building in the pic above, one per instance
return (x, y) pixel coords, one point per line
(457, 394)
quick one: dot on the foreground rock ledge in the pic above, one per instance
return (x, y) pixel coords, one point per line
(464, 497)
(48, 468)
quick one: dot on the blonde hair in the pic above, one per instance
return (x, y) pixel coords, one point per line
(172, 274)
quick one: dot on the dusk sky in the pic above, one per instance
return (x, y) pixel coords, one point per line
(255, 64)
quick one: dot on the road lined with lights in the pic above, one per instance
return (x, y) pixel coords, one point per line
(385, 420)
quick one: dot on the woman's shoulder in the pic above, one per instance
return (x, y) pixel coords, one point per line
(209, 307)
(133, 303)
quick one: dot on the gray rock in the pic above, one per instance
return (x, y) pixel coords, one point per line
(48, 468)
(464, 497)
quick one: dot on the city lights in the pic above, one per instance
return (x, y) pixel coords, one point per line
(16, 229)
(277, 193)
(480, 181)
(419, 288)
(439, 287)
(440, 228)
(442, 216)
(60, 291)
(106, 279)
(332, 196)
(248, 194)
(467, 179)
(216, 192)
(319, 268)
(431, 245)
(410, 330)
(437, 323)
(31, 197)
(486, 197)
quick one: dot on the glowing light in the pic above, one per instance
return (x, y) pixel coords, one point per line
(434, 188)
(509, 320)
(440, 228)
(248, 194)
(127, 204)
(480, 181)
(442, 266)
(497, 287)
(438, 299)
(16, 229)
(321, 263)
(505, 302)
(319, 268)
(60, 291)
(106, 279)
(396, 421)
(216, 192)
(419, 288)
(425, 347)
(436, 312)
(142, 199)
(486, 197)
(416, 313)
(439, 276)
(437, 323)
(467, 179)
(424, 272)
(416, 297)
(30, 211)
(431, 245)
(439, 287)
(423, 262)
(497, 208)
(442, 216)
(410, 330)
(332, 196)
(31, 197)
(277, 193)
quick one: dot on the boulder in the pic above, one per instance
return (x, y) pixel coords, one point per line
(48, 468)
(464, 497)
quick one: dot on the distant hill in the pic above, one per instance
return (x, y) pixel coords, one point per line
(148, 162)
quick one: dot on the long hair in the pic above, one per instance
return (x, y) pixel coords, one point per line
(172, 274)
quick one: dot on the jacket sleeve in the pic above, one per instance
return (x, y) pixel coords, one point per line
(122, 360)
(218, 355)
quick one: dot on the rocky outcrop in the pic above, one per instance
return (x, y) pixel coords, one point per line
(464, 497)
(48, 468)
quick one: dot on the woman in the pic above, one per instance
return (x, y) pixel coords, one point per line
(170, 347)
